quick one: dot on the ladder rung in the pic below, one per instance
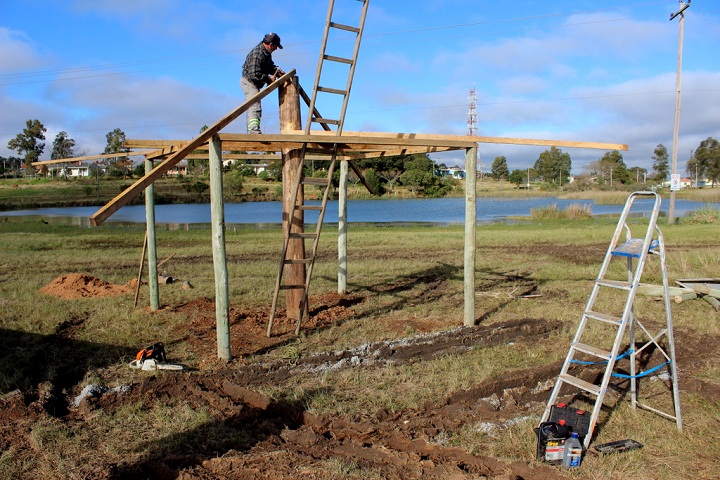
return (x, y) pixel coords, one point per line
(292, 287)
(338, 59)
(615, 284)
(325, 120)
(344, 27)
(314, 181)
(604, 317)
(297, 261)
(580, 383)
(634, 248)
(598, 352)
(332, 90)
(309, 207)
(302, 235)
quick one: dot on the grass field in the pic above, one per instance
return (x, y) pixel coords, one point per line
(410, 282)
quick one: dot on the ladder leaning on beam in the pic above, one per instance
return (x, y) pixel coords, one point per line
(314, 117)
(605, 324)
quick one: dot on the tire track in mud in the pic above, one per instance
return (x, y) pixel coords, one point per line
(397, 352)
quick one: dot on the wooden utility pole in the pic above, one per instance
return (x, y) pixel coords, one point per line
(151, 242)
(217, 212)
(289, 97)
(678, 93)
(470, 235)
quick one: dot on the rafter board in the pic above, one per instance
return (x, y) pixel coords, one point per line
(89, 157)
(116, 203)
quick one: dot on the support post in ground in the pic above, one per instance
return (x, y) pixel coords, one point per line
(342, 229)
(470, 234)
(151, 243)
(289, 98)
(217, 213)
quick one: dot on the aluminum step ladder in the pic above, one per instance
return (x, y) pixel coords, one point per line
(339, 95)
(600, 324)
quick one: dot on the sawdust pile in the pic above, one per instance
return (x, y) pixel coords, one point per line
(78, 285)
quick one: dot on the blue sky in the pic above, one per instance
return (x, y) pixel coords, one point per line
(574, 70)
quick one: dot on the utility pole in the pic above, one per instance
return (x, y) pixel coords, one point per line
(673, 172)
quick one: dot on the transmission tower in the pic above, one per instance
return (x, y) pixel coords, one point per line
(472, 114)
(472, 121)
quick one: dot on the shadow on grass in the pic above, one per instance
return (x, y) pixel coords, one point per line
(28, 360)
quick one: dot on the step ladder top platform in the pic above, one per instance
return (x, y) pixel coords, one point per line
(633, 248)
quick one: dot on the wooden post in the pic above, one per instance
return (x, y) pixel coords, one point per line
(289, 98)
(342, 229)
(217, 212)
(470, 232)
(151, 243)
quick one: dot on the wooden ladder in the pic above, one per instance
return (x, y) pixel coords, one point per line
(614, 325)
(314, 117)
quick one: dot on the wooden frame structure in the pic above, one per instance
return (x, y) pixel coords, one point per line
(349, 146)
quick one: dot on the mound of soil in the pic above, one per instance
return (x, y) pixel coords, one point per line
(78, 285)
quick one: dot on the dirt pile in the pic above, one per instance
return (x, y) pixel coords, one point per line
(78, 285)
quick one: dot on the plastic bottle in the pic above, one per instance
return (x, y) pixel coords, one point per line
(563, 431)
(573, 451)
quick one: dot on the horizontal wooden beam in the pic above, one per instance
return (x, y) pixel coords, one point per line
(88, 157)
(377, 140)
(116, 203)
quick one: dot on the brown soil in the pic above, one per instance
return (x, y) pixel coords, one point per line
(78, 285)
(281, 440)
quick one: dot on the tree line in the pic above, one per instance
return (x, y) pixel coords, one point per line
(30, 145)
(553, 167)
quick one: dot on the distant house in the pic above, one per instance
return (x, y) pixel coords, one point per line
(453, 172)
(75, 170)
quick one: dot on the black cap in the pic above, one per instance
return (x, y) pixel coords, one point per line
(272, 39)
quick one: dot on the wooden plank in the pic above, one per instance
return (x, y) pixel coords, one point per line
(483, 139)
(89, 157)
(115, 204)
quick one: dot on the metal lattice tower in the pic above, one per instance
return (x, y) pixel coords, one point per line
(472, 114)
(472, 121)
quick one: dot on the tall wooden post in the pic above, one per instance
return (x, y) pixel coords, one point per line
(342, 229)
(289, 98)
(217, 213)
(151, 242)
(470, 234)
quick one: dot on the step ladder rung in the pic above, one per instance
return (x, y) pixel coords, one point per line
(302, 235)
(332, 90)
(348, 28)
(589, 349)
(326, 120)
(614, 284)
(603, 317)
(314, 181)
(333, 58)
(298, 286)
(309, 207)
(580, 383)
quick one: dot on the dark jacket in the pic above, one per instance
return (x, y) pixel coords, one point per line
(259, 66)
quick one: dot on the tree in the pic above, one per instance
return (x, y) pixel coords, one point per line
(415, 179)
(62, 147)
(637, 174)
(554, 165)
(613, 168)
(707, 156)
(499, 169)
(28, 144)
(519, 177)
(660, 162)
(117, 166)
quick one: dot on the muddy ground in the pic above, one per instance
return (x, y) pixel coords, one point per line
(281, 440)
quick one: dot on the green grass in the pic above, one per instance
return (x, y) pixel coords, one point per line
(406, 273)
